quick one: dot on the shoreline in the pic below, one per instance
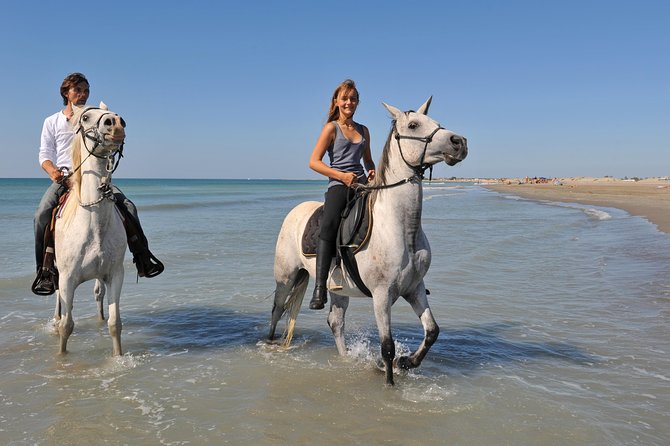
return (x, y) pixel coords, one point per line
(649, 198)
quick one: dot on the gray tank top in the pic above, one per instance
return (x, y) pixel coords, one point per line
(345, 155)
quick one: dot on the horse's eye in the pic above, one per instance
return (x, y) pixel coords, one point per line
(413, 125)
(84, 118)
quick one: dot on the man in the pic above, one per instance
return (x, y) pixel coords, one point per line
(54, 157)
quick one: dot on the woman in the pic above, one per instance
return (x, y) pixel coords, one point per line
(347, 142)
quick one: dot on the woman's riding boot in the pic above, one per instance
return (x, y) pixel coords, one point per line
(324, 255)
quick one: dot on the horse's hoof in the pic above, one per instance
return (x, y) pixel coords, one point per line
(403, 363)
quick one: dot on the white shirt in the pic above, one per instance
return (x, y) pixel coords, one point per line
(55, 141)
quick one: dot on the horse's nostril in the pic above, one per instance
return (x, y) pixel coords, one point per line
(108, 122)
(456, 140)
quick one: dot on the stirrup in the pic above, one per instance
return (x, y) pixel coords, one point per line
(45, 282)
(148, 265)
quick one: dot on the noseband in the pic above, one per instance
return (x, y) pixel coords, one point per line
(420, 168)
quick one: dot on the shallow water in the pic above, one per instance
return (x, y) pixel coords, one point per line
(553, 331)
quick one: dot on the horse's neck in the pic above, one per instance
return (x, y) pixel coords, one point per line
(403, 204)
(93, 173)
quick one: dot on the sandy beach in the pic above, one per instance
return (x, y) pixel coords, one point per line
(648, 198)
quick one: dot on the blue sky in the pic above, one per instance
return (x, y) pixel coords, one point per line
(219, 89)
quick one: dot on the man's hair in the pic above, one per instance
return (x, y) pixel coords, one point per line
(70, 81)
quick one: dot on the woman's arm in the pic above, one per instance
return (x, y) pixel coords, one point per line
(316, 160)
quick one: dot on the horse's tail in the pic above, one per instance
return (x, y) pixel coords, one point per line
(293, 304)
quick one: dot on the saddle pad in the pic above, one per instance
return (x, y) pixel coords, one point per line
(58, 212)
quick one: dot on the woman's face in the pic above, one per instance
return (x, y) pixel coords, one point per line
(347, 101)
(78, 94)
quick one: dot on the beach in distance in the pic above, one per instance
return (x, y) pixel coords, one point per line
(648, 197)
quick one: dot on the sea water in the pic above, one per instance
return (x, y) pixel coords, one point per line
(554, 330)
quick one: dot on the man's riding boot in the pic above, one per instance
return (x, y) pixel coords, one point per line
(147, 265)
(324, 255)
(46, 281)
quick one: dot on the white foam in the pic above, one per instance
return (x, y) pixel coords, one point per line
(430, 197)
(427, 394)
(597, 214)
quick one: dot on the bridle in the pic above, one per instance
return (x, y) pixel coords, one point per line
(113, 158)
(419, 169)
(92, 134)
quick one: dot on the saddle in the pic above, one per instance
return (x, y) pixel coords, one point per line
(352, 235)
(147, 264)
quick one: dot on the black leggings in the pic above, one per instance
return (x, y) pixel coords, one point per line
(336, 200)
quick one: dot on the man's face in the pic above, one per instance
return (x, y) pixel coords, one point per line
(78, 95)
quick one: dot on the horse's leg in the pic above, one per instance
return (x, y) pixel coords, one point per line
(419, 303)
(338, 308)
(382, 307)
(114, 321)
(99, 293)
(66, 323)
(282, 291)
(289, 292)
(57, 310)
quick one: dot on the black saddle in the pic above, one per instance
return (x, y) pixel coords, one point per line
(352, 235)
(354, 230)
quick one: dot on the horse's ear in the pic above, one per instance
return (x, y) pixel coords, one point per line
(424, 108)
(103, 106)
(395, 113)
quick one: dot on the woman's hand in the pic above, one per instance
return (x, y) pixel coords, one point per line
(348, 178)
(371, 175)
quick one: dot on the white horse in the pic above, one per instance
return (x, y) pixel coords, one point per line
(397, 255)
(90, 240)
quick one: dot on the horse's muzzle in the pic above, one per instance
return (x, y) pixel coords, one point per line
(459, 150)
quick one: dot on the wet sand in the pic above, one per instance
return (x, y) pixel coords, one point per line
(649, 198)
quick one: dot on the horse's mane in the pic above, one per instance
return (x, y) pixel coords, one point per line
(380, 173)
(75, 179)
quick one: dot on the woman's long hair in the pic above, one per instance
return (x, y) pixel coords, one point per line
(334, 110)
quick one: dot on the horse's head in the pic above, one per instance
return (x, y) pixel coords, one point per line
(422, 141)
(102, 131)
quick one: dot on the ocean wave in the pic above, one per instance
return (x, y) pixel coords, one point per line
(430, 197)
(436, 187)
(597, 214)
(592, 213)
